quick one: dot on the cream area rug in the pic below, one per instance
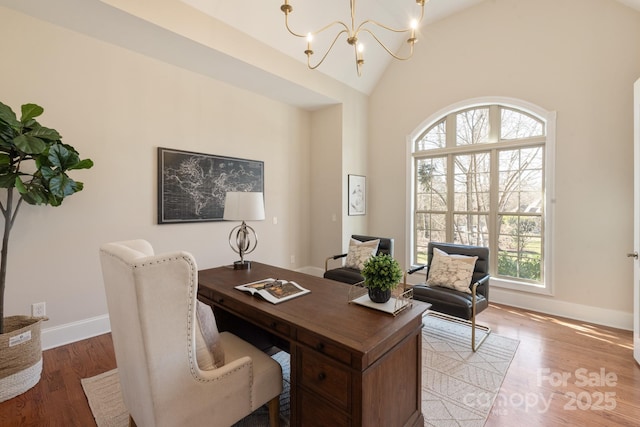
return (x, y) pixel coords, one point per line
(458, 385)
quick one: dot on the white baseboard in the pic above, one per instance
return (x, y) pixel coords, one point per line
(74, 331)
(549, 305)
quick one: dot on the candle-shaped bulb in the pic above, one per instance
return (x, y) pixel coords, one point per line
(414, 25)
(309, 39)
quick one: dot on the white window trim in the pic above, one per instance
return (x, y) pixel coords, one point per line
(549, 117)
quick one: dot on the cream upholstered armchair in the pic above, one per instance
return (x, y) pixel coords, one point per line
(168, 350)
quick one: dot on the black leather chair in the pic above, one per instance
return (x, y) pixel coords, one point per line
(351, 275)
(453, 303)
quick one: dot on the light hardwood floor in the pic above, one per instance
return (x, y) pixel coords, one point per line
(565, 373)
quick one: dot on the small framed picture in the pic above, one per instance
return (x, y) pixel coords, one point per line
(357, 195)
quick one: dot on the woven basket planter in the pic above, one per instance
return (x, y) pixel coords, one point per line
(20, 355)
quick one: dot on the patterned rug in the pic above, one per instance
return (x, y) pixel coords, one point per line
(458, 385)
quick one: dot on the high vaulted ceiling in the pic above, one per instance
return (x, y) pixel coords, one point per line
(122, 22)
(263, 20)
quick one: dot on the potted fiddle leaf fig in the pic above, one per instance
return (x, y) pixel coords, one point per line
(34, 163)
(381, 274)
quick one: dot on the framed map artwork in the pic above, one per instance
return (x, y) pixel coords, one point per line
(192, 186)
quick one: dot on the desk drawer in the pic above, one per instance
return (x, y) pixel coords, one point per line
(315, 412)
(326, 378)
(323, 346)
(262, 320)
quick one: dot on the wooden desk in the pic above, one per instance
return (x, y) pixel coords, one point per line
(350, 365)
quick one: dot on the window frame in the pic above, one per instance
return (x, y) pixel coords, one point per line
(549, 118)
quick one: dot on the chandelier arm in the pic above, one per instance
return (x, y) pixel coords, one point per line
(385, 27)
(286, 24)
(313, 33)
(326, 53)
(326, 27)
(400, 58)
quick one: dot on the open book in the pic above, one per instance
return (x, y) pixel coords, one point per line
(274, 290)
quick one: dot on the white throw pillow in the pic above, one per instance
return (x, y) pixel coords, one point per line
(209, 351)
(451, 271)
(359, 252)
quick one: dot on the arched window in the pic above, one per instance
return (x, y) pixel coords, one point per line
(482, 175)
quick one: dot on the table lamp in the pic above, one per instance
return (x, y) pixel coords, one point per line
(243, 206)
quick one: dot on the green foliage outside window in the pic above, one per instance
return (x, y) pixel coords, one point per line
(522, 268)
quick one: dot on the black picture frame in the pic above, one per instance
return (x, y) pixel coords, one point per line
(357, 199)
(192, 186)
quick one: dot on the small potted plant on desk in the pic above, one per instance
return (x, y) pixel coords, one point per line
(381, 274)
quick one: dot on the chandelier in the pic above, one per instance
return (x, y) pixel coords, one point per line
(353, 31)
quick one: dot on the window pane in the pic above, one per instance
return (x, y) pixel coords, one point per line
(435, 137)
(472, 178)
(520, 247)
(429, 227)
(470, 229)
(521, 183)
(472, 127)
(516, 125)
(431, 184)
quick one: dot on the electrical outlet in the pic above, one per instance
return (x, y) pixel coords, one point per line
(39, 309)
(293, 259)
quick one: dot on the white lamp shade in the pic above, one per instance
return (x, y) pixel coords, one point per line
(243, 206)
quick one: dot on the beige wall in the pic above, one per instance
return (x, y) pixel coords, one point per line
(355, 162)
(578, 58)
(326, 172)
(116, 107)
(339, 148)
